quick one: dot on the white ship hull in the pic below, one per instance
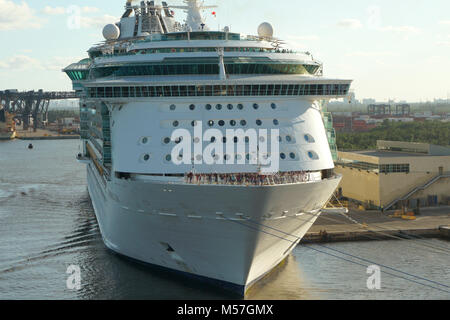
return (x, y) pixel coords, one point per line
(233, 237)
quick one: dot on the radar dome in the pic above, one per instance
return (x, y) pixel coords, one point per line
(111, 32)
(265, 30)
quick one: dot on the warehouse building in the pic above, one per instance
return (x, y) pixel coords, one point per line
(397, 173)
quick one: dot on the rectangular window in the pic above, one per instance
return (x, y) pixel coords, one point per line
(208, 91)
(145, 92)
(159, 91)
(183, 91)
(263, 90)
(175, 91)
(255, 89)
(276, 91)
(239, 90)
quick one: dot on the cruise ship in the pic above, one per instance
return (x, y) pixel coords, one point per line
(170, 185)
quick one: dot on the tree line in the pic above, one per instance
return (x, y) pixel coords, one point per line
(434, 132)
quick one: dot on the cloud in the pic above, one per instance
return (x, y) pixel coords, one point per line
(21, 62)
(90, 9)
(302, 38)
(406, 30)
(443, 43)
(350, 23)
(54, 10)
(15, 16)
(62, 10)
(372, 54)
(24, 62)
(97, 22)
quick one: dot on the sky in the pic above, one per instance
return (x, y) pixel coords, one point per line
(391, 49)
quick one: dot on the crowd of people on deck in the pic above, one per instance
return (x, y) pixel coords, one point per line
(256, 179)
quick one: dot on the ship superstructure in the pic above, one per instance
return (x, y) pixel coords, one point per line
(155, 85)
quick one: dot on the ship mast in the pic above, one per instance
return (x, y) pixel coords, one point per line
(194, 19)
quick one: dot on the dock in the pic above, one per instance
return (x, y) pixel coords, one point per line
(375, 225)
(41, 134)
(445, 231)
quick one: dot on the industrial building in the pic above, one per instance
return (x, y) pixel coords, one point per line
(396, 174)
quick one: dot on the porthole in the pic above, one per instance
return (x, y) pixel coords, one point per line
(224, 140)
(208, 107)
(210, 123)
(240, 106)
(236, 139)
(175, 123)
(219, 107)
(178, 140)
(276, 122)
(180, 157)
(292, 155)
(192, 107)
(247, 139)
(273, 106)
(258, 122)
(226, 157)
(173, 107)
(146, 157)
(167, 140)
(144, 140)
(288, 138)
(196, 140)
(194, 123)
(313, 155)
(255, 106)
(168, 158)
(213, 139)
(282, 156)
(280, 139)
(309, 138)
(232, 123)
(262, 139)
(221, 123)
(199, 157)
(230, 107)
(243, 123)
(248, 156)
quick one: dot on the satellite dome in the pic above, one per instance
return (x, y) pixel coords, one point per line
(111, 32)
(265, 30)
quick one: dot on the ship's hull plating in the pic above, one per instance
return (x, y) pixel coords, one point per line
(233, 234)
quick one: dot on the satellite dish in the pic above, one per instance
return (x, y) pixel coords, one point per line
(265, 30)
(111, 32)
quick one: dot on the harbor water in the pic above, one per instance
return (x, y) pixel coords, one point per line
(47, 224)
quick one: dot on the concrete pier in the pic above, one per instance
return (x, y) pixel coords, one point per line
(374, 225)
(445, 232)
(41, 134)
